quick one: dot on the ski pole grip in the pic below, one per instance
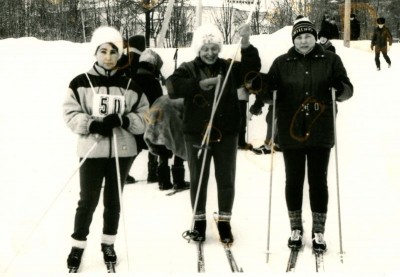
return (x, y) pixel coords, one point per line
(333, 94)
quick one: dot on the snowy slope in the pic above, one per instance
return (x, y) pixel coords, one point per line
(37, 202)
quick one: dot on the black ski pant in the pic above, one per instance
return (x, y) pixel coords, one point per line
(384, 54)
(92, 172)
(316, 161)
(223, 153)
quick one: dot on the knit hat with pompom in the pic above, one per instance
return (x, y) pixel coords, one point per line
(106, 34)
(303, 25)
(205, 34)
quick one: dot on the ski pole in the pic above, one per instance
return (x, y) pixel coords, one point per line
(271, 173)
(228, 73)
(51, 204)
(337, 173)
(236, 52)
(206, 136)
(120, 194)
(204, 145)
(247, 121)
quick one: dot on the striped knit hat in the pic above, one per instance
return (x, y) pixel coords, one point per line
(303, 25)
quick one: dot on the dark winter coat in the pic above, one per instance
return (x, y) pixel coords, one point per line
(304, 99)
(328, 46)
(354, 29)
(325, 25)
(333, 31)
(380, 38)
(149, 81)
(184, 83)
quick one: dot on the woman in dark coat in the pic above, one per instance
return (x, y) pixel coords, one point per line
(195, 82)
(303, 78)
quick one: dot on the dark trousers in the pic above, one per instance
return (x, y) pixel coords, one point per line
(384, 54)
(224, 156)
(166, 154)
(317, 160)
(243, 122)
(92, 173)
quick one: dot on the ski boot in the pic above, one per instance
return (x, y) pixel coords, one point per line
(318, 243)
(296, 239)
(74, 259)
(225, 233)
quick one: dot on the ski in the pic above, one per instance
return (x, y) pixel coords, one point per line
(228, 252)
(291, 265)
(200, 257)
(110, 267)
(319, 261)
(175, 191)
(231, 259)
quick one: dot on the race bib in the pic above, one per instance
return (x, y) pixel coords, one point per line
(104, 104)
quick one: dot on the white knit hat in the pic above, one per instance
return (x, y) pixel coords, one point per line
(204, 34)
(106, 34)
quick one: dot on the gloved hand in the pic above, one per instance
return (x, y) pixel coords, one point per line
(253, 82)
(339, 87)
(244, 31)
(112, 120)
(98, 127)
(255, 110)
(208, 83)
(372, 47)
(125, 122)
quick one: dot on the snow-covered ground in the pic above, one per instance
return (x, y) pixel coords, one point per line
(37, 203)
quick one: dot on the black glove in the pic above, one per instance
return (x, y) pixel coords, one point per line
(255, 110)
(339, 87)
(112, 120)
(97, 127)
(125, 122)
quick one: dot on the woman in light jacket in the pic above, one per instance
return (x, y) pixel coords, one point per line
(100, 104)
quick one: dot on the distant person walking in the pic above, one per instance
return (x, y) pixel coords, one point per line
(380, 40)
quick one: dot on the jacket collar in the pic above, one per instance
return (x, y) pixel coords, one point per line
(98, 70)
(210, 69)
(317, 52)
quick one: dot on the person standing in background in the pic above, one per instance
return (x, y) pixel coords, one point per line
(354, 27)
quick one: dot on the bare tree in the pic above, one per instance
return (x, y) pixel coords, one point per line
(74, 19)
(181, 24)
